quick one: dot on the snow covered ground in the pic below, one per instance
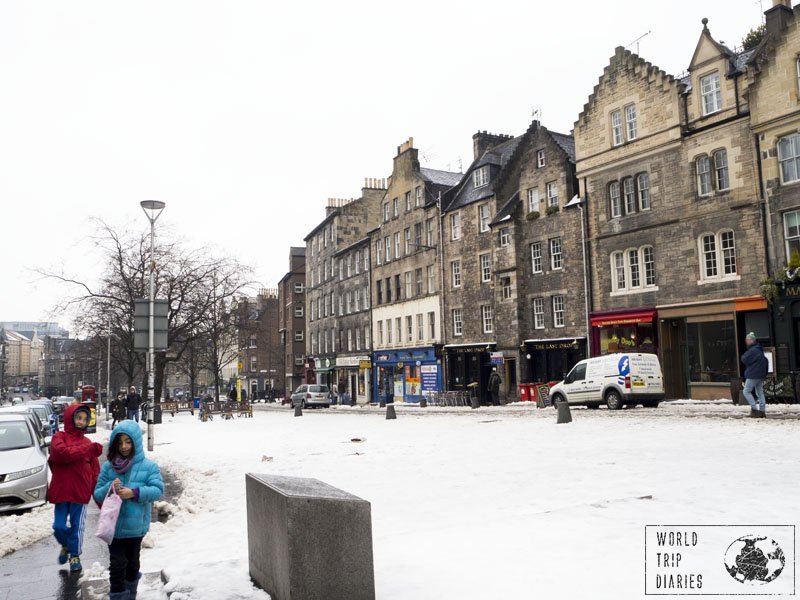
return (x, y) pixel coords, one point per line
(495, 503)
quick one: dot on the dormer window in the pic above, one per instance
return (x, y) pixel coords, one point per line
(711, 93)
(480, 177)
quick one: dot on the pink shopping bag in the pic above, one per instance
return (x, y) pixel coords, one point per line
(109, 513)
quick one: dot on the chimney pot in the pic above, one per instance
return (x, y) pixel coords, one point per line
(778, 16)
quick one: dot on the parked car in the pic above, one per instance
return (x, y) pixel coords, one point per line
(51, 411)
(613, 379)
(16, 390)
(311, 395)
(37, 412)
(23, 464)
(24, 390)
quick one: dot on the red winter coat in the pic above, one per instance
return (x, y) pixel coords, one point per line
(73, 462)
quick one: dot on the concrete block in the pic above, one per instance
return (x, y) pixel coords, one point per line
(308, 540)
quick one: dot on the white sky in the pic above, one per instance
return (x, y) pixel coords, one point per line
(244, 117)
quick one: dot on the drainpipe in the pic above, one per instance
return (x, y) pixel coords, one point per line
(585, 282)
(443, 317)
(766, 217)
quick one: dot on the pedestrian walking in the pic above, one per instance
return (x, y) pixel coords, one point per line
(118, 410)
(138, 482)
(755, 372)
(132, 402)
(232, 394)
(494, 387)
(74, 468)
(335, 392)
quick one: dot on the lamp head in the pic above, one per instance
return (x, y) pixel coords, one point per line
(152, 208)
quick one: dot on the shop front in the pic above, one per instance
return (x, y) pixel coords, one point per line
(549, 360)
(324, 371)
(354, 378)
(786, 315)
(624, 331)
(469, 367)
(406, 375)
(701, 344)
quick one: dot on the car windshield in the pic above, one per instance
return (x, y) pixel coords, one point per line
(318, 389)
(41, 412)
(15, 435)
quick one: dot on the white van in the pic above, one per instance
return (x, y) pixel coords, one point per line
(616, 379)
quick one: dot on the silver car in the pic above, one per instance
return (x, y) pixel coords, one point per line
(311, 395)
(23, 464)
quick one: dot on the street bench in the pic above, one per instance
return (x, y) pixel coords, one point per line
(173, 407)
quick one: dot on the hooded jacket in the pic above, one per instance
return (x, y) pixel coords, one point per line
(144, 475)
(755, 363)
(73, 462)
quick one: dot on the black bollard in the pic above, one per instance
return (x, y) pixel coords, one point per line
(382, 404)
(475, 402)
(298, 410)
(423, 402)
(390, 414)
(564, 415)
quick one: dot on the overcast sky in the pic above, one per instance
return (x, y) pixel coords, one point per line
(244, 117)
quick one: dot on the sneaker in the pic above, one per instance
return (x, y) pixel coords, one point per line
(762, 414)
(63, 556)
(755, 414)
(75, 564)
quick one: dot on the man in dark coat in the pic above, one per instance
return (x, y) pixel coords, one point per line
(494, 387)
(755, 371)
(132, 402)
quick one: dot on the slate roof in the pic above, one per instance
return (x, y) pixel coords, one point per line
(435, 176)
(507, 209)
(566, 142)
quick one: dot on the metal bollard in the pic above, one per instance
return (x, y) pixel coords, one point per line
(298, 411)
(382, 403)
(475, 402)
(390, 414)
(564, 414)
(423, 402)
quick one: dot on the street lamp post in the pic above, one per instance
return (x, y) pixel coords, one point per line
(108, 370)
(152, 209)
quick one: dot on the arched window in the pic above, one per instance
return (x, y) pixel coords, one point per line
(721, 176)
(615, 203)
(629, 191)
(703, 170)
(643, 183)
(633, 270)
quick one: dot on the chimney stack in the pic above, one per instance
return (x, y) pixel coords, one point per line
(483, 141)
(778, 16)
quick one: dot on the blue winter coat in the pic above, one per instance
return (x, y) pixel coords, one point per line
(134, 517)
(755, 363)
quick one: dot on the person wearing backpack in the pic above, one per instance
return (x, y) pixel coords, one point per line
(755, 372)
(138, 482)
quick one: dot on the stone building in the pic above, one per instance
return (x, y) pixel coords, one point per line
(774, 99)
(353, 375)
(539, 260)
(261, 358)
(23, 357)
(406, 280)
(667, 169)
(469, 268)
(292, 322)
(347, 222)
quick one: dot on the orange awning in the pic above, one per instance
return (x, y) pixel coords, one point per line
(750, 303)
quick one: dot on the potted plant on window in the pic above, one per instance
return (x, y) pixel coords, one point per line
(533, 215)
(551, 210)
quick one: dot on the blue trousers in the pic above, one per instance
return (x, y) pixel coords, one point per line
(70, 535)
(757, 385)
(133, 414)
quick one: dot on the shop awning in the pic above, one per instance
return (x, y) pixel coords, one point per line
(644, 316)
(750, 303)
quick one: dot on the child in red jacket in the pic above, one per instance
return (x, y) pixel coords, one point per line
(74, 466)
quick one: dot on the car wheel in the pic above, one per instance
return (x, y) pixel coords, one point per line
(613, 400)
(650, 404)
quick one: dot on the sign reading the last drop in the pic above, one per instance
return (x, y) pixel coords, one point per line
(719, 560)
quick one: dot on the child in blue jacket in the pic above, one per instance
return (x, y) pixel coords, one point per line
(137, 480)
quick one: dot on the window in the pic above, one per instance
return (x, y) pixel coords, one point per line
(409, 285)
(367, 340)
(387, 242)
(298, 360)
(397, 286)
(614, 202)
(388, 281)
(349, 302)
(431, 279)
(558, 311)
(366, 260)
(455, 271)
(429, 232)
(388, 331)
(649, 266)
(432, 325)
(455, 226)
(533, 199)
(505, 237)
(417, 236)
(536, 257)
(298, 288)
(397, 245)
(718, 252)
(791, 233)
(556, 258)
(728, 246)
(627, 268)
(298, 335)
(418, 281)
(253, 364)
(483, 218)
(418, 196)
(486, 318)
(408, 241)
(711, 93)
(458, 325)
(365, 297)
(618, 264)
(703, 175)
(358, 338)
(633, 265)
(643, 183)
(408, 201)
(552, 194)
(379, 292)
(480, 177)
(789, 158)
(349, 340)
(540, 158)
(630, 121)
(357, 261)
(616, 128)
(298, 311)
(538, 313)
(722, 179)
(506, 288)
(379, 251)
(357, 300)
(709, 243)
(313, 343)
(420, 327)
(52, 368)
(395, 210)
(398, 329)
(486, 268)
(380, 332)
(630, 195)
